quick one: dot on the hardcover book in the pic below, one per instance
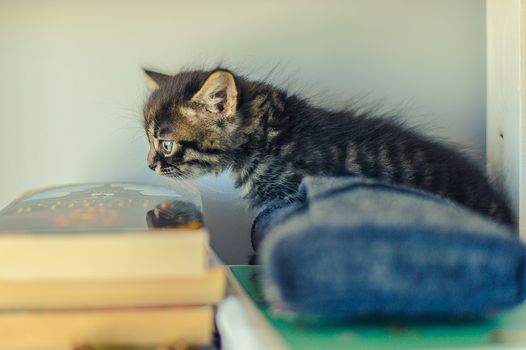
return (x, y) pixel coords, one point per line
(103, 231)
(132, 328)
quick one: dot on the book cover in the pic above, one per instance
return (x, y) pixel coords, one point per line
(103, 207)
(502, 330)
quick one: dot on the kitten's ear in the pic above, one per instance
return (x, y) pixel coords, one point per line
(218, 94)
(154, 79)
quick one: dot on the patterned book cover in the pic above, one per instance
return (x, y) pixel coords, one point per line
(107, 207)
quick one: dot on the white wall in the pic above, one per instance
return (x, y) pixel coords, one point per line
(71, 89)
(506, 92)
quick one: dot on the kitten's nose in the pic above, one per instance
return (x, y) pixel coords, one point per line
(153, 160)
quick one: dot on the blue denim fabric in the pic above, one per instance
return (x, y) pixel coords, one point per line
(359, 248)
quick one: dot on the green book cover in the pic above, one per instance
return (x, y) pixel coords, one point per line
(503, 330)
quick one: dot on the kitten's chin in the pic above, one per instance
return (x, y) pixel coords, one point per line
(170, 172)
(175, 173)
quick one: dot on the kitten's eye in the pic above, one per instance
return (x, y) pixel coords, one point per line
(167, 147)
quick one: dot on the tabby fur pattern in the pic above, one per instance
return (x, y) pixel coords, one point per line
(270, 139)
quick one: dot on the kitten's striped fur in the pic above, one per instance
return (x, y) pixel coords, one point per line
(270, 140)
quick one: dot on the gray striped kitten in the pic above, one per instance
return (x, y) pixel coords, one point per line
(200, 122)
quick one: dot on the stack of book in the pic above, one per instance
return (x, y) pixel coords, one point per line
(106, 263)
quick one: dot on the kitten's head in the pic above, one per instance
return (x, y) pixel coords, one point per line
(191, 120)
